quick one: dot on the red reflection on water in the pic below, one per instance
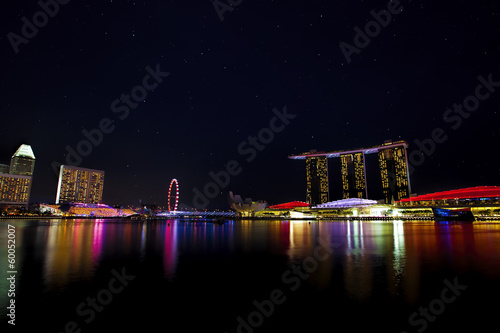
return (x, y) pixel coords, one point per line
(170, 251)
(97, 236)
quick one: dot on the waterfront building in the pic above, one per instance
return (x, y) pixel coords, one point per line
(16, 179)
(393, 165)
(290, 205)
(317, 180)
(470, 196)
(85, 210)
(79, 185)
(245, 207)
(15, 189)
(353, 175)
(347, 203)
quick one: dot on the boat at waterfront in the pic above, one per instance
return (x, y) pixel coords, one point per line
(461, 214)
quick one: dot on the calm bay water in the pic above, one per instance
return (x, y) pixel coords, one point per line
(172, 276)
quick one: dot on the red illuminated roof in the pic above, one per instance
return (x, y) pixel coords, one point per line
(290, 205)
(464, 193)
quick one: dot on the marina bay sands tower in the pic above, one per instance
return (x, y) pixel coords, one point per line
(317, 180)
(393, 164)
(353, 175)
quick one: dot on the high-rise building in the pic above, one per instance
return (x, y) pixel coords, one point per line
(317, 180)
(393, 163)
(394, 173)
(353, 175)
(4, 168)
(15, 189)
(16, 179)
(23, 161)
(79, 185)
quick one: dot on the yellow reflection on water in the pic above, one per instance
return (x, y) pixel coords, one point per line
(72, 250)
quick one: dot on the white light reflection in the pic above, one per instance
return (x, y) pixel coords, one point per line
(399, 246)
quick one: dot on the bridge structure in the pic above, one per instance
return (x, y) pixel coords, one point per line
(173, 203)
(179, 214)
(393, 164)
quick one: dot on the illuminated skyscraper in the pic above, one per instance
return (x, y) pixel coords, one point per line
(15, 189)
(15, 181)
(394, 172)
(353, 175)
(393, 164)
(23, 161)
(317, 180)
(79, 185)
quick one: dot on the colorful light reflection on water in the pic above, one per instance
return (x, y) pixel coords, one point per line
(392, 258)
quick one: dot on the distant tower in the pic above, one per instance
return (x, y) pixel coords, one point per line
(353, 175)
(23, 161)
(393, 164)
(317, 180)
(79, 185)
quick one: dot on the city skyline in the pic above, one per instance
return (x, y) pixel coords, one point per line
(257, 166)
(84, 185)
(154, 91)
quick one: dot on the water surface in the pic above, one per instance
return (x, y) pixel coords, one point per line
(200, 276)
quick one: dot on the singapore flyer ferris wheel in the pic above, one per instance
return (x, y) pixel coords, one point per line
(176, 194)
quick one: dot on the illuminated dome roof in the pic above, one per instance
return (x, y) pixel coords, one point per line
(290, 205)
(348, 203)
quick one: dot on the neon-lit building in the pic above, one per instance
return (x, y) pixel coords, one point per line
(85, 210)
(353, 175)
(471, 196)
(317, 180)
(293, 210)
(347, 203)
(393, 167)
(79, 185)
(351, 207)
(16, 179)
(290, 205)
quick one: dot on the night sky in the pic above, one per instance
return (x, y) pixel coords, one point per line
(226, 77)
